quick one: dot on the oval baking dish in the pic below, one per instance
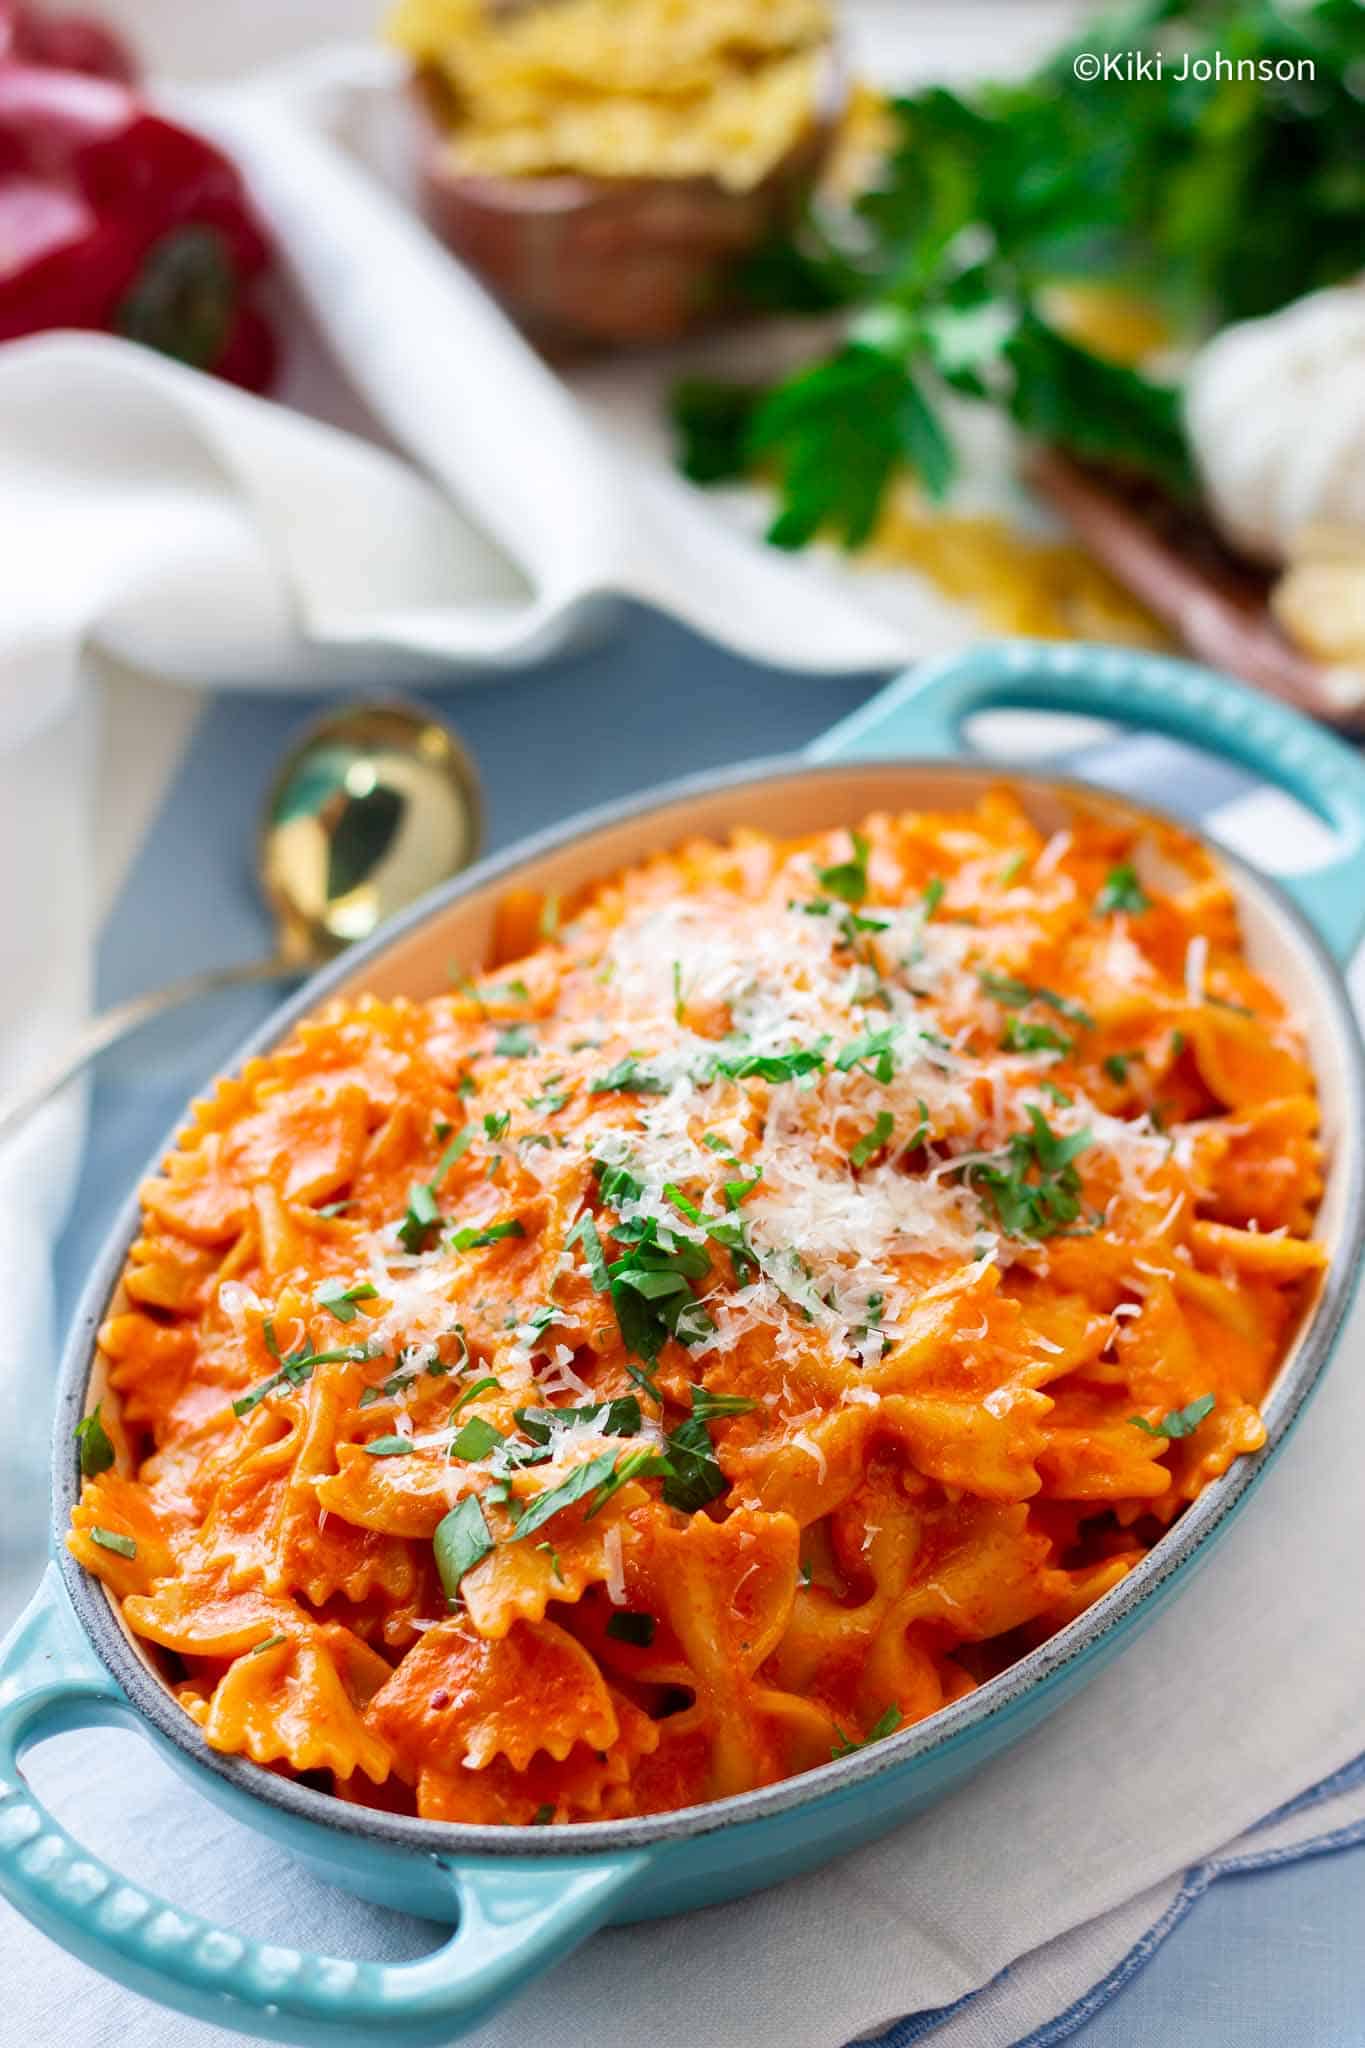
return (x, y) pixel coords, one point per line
(519, 1902)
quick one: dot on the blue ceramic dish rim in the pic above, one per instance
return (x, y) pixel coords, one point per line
(1039, 1669)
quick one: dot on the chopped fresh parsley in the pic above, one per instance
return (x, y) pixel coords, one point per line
(1116, 1065)
(1180, 1421)
(552, 1099)
(1035, 1190)
(585, 1232)
(422, 1219)
(97, 1453)
(475, 1440)
(873, 1140)
(340, 1301)
(297, 1368)
(583, 1480)
(470, 1239)
(1022, 1036)
(629, 1626)
(461, 1541)
(847, 879)
(515, 1043)
(1013, 994)
(543, 1815)
(113, 1539)
(873, 1052)
(708, 1406)
(620, 1417)
(629, 1077)
(885, 1724)
(268, 1643)
(471, 1393)
(933, 895)
(775, 1067)
(1122, 891)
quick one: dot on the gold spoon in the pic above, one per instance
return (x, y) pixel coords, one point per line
(369, 810)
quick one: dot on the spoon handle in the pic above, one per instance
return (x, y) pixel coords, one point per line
(111, 1025)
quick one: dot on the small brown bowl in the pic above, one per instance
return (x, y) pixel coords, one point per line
(607, 261)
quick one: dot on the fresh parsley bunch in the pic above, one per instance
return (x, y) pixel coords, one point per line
(1216, 199)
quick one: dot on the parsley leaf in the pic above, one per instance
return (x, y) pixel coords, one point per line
(848, 880)
(1122, 891)
(872, 1140)
(620, 1417)
(629, 1077)
(1035, 1191)
(97, 1453)
(1180, 1421)
(341, 1301)
(461, 1541)
(584, 1479)
(475, 1440)
(885, 1724)
(874, 1052)
(1014, 994)
(515, 1043)
(469, 1239)
(1021, 1036)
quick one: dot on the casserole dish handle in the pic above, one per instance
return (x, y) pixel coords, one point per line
(517, 1915)
(924, 711)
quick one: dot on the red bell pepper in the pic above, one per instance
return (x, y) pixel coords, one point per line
(114, 219)
(65, 42)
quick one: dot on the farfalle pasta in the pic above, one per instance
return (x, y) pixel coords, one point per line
(802, 1277)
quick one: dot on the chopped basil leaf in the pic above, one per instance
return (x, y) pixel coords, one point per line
(932, 897)
(772, 1067)
(708, 1405)
(585, 1233)
(1021, 1036)
(543, 1815)
(495, 1125)
(389, 1446)
(469, 1239)
(1008, 990)
(872, 1141)
(885, 1724)
(422, 1219)
(341, 1301)
(97, 1453)
(296, 1369)
(515, 1043)
(629, 1077)
(1116, 1065)
(475, 1440)
(113, 1539)
(874, 1052)
(582, 1480)
(629, 1626)
(267, 1643)
(462, 1539)
(847, 880)
(1035, 1191)
(479, 1387)
(1122, 891)
(1180, 1421)
(620, 1417)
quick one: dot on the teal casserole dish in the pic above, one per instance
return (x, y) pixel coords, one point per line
(518, 1900)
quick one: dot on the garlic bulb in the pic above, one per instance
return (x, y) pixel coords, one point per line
(1275, 410)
